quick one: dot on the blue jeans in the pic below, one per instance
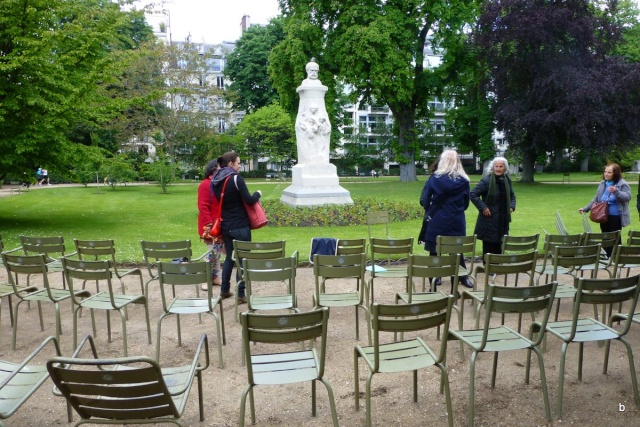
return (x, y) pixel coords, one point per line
(228, 236)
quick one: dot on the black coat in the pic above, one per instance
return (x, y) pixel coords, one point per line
(494, 227)
(449, 218)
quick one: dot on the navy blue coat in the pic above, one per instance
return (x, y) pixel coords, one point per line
(449, 218)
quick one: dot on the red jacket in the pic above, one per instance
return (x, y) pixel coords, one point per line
(208, 206)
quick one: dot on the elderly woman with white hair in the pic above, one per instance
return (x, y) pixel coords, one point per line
(496, 201)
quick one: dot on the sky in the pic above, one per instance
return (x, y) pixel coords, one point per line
(215, 21)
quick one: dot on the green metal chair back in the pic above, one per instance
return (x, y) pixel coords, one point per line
(189, 276)
(458, 245)
(378, 220)
(285, 367)
(127, 390)
(271, 270)
(518, 244)
(625, 257)
(351, 246)
(385, 254)
(633, 237)
(426, 268)
(155, 252)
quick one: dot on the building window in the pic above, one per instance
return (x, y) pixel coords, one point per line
(216, 65)
(220, 82)
(221, 125)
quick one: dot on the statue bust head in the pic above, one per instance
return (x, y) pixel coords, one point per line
(312, 69)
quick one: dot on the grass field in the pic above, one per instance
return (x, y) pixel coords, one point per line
(132, 213)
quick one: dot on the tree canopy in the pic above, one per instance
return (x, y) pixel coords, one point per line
(246, 67)
(56, 59)
(556, 83)
(378, 49)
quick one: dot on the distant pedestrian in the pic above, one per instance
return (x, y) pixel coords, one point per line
(45, 177)
(39, 176)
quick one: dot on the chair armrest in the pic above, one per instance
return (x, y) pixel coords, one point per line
(201, 256)
(85, 339)
(295, 253)
(19, 248)
(195, 368)
(33, 354)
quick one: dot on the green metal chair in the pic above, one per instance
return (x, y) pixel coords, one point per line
(585, 329)
(29, 265)
(572, 259)
(6, 290)
(102, 271)
(520, 244)
(377, 220)
(547, 269)
(52, 247)
(260, 271)
(126, 390)
(633, 237)
(508, 299)
(625, 257)
(341, 269)
(499, 266)
(96, 250)
(385, 254)
(189, 275)
(607, 240)
(409, 355)
(459, 245)
(255, 250)
(285, 367)
(19, 381)
(155, 252)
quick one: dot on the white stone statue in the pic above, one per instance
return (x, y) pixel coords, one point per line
(313, 128)
(314, 180)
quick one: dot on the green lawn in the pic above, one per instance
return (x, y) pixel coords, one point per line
(132, 213)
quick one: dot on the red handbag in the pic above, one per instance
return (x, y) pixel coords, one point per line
(256, 214)
(599, 212)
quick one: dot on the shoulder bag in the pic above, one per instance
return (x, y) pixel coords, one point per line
(216, 229)
(425, 222)
(255, 212)
(599, 212)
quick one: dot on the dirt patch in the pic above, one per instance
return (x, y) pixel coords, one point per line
(595, 401)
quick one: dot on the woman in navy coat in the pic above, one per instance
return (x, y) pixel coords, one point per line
(445, 197)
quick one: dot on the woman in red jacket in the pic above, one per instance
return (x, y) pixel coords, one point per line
(208, 211)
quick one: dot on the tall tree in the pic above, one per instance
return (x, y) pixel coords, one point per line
(55, 58)
(246, 67)
(556, 83)
(378, 48)
(268, 132)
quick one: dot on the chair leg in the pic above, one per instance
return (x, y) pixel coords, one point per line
(313, 398)
(123, 318)
(179, 331)
(563, 357)
(632, 369)
(367, 400)
(219, 336)
(444, 380)
(108, 314)
(159, 334)
(415, 385)
(200, 396)
(495, 368)
(472, 383)
(332, 402)
(543, 380)
(357, 324)
(356, 381)
(580, 359)
(146, 314)
(243, 402)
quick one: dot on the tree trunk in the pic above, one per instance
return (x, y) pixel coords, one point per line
(557, 159)
(584, 166)
(528, 165)
(405, 154)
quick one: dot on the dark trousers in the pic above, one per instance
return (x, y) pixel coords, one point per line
(490, 248)
(614, 223)
(228, 236)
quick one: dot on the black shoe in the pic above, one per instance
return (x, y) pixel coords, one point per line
(438, 282)
(464, 281)
(242, 299)
(225, 295)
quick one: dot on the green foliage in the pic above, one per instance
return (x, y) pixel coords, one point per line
(118, 169)
(268, 132)
(246, 67)
(57, 58)
(281, 215)
(163, 170)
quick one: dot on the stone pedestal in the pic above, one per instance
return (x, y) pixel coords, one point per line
(315, 184)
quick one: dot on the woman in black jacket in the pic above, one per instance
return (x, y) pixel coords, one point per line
(235, 222)
(495, 200)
